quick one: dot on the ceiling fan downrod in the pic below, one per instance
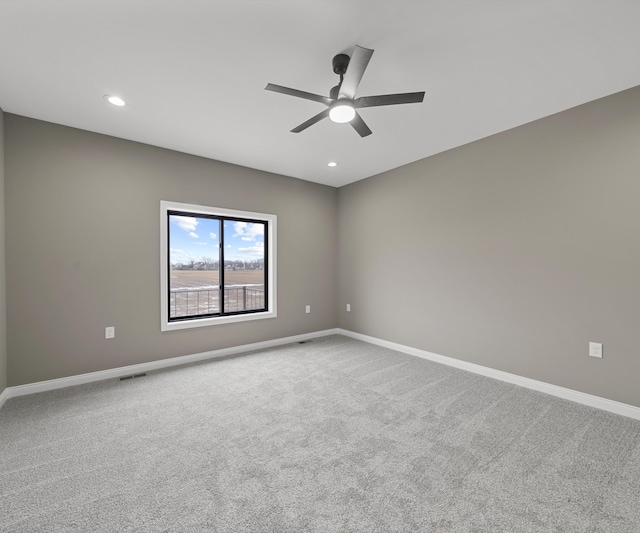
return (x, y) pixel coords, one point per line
(340, 64)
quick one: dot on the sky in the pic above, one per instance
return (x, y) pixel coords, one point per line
(192, 238)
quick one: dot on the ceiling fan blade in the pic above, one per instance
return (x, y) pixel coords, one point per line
(389, 99)
(357, 65)
(360, 126)
(299, 94)
(311, 121)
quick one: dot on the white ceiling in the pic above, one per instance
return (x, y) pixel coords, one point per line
(193, 72)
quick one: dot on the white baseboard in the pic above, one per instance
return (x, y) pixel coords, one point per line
(554, 390)
(561, 392)
(4, 396)
(42, 386)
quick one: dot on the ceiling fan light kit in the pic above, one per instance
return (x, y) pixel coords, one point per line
(341, 103)
(342, 111)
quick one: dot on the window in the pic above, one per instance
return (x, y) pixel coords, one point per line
(218, 266)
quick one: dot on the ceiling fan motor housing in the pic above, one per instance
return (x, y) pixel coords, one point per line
(340, 64)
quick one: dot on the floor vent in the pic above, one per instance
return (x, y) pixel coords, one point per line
(134, 376)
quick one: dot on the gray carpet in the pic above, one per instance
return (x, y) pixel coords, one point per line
(331, 435)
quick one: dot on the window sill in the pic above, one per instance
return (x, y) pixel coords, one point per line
(214, 321)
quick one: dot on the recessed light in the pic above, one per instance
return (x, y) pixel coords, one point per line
(115, 100)
(332, 164)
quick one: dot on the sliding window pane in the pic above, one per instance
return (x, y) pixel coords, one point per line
(244, 265)
(194, 266)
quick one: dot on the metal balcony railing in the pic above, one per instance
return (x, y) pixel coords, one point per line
(196, 302)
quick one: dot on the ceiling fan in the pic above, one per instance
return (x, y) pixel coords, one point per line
(341, 103)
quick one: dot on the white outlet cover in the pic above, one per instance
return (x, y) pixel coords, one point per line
(308, 309)
(595, 349)
(109, 332)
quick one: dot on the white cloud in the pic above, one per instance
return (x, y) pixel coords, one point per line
(257, 250)
(247, 230)
(185, 223)
(212, 235)
(180, 256)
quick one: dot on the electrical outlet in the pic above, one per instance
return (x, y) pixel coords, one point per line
(308, 309)
(595, 349)
(348, 308)
(110, 332)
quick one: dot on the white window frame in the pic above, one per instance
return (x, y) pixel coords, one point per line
(271, 312)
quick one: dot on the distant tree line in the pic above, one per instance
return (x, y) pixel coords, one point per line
(207, 263)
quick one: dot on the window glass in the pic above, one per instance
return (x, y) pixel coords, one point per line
(244, 265)
(194, 259)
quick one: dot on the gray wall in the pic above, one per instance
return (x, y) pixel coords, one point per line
(512, 252)
(3, 334)
(82, 249)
